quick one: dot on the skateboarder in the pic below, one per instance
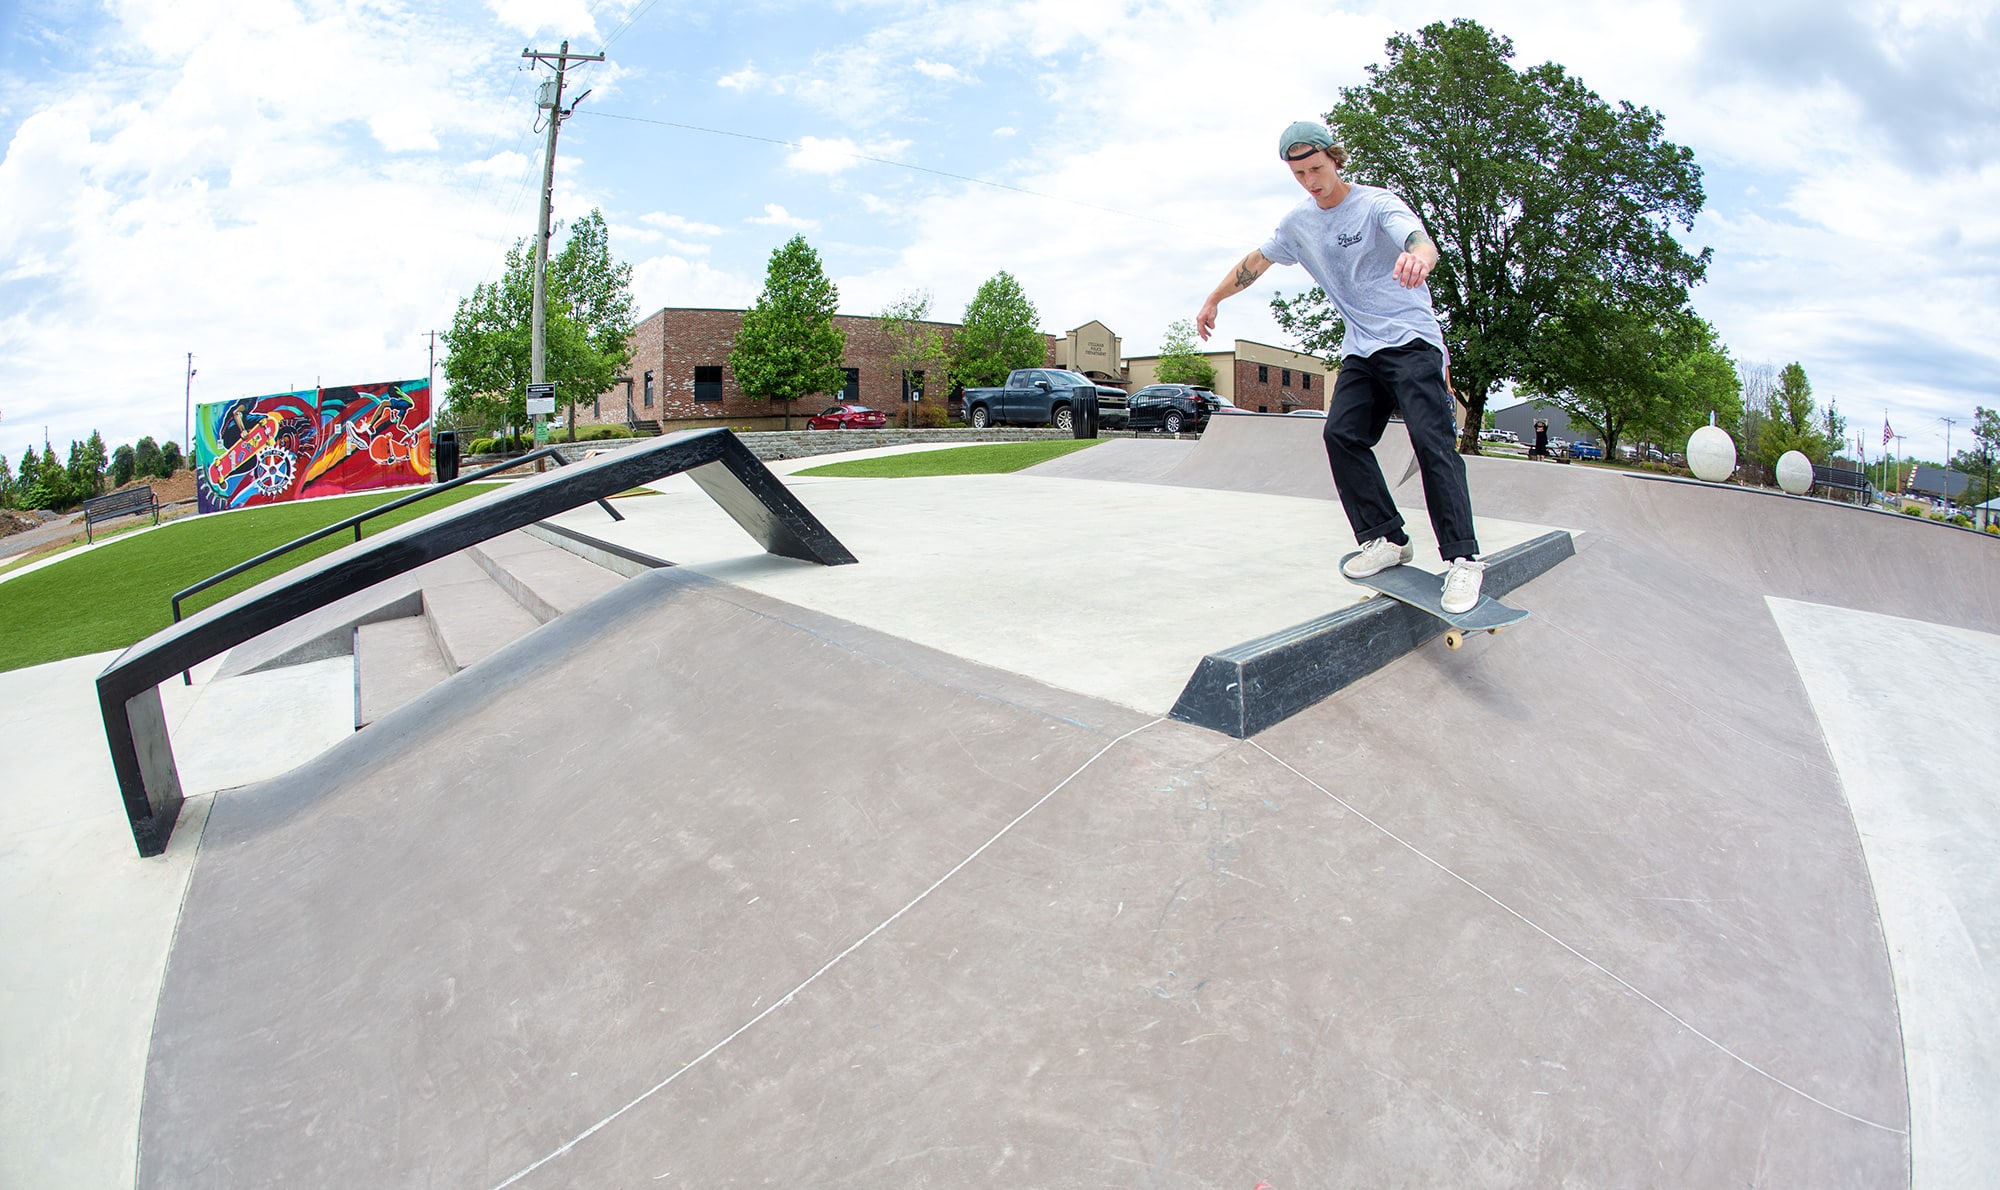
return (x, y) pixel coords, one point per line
(1371, 255)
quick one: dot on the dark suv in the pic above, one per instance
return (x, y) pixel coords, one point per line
(1170, 407)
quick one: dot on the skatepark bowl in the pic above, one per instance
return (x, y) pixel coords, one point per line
(1088, 830)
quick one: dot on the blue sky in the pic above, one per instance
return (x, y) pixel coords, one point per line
(300, 192)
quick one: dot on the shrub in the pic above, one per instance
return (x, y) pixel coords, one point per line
(1912, 510)
(931, 416)
(600, 433)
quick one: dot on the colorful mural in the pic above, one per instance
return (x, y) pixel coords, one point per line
(314, 442)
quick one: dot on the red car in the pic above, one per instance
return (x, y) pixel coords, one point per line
(848, 417)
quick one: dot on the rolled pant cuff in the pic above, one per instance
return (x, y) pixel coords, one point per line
(1450, 550)
(1388, 528)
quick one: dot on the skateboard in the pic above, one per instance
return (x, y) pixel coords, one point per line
(1423, 590)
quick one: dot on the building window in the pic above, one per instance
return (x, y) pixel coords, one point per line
(597, 408)
(913, 385)
(708, 382)
(649, 390)
(1306, 381)
(1263, 408)
(851, 391)
(1263, 373)
(1288, 376)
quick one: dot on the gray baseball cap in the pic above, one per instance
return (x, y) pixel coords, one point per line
(1303, 132)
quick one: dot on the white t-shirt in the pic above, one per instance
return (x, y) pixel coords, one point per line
(1350, 251)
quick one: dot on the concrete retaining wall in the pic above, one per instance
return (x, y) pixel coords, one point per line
(800, 444)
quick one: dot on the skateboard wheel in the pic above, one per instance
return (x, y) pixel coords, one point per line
(1453, 639)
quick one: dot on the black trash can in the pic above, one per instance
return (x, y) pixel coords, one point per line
(444, 455)
(1083, 411)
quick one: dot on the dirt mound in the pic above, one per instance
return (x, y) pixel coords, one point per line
(12, 522)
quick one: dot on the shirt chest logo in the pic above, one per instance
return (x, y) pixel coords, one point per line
(1347, 241)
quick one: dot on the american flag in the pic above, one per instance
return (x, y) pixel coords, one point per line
(1887, 433)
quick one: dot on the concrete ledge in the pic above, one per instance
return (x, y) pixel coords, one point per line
(1244, 689)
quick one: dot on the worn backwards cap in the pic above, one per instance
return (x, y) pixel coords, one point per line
(1311, 133)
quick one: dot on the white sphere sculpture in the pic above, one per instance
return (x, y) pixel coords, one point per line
(1795, 473)
(1711, 454)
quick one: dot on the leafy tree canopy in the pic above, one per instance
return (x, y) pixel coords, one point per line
(587, 329)
(920, 349)
(788, 346)
(1792, 422)
(998, 334)
(1180, 361)
(1542, 198)
(1633, 374)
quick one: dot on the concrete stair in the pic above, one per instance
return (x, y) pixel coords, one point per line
(473, 604)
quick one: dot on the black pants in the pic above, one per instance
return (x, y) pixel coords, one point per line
(1369, 389)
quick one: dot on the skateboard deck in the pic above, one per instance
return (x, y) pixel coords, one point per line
(1424, 591)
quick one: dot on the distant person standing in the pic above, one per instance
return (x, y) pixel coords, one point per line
(1541, 450)
(1371, 255)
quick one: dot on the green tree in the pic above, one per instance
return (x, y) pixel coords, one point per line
(86, 466)
(997, 334)
(1792, 422)
(1180, 361)
(788, 346)
(51, 488)
(7, 493)
(1540, 196)
(124, 465)
(1631, 374)
(1978, 463)
(146, 458)
(920, 349)
(587, 330)
(1315, 326)
(170, 459)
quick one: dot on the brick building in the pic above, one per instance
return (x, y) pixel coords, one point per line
(679, 377)
(1255, 376)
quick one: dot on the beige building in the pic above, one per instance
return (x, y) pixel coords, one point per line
(1090, 349)
(1254, 376)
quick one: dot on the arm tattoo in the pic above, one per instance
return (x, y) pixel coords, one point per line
(1415, 238)
(1245, 274)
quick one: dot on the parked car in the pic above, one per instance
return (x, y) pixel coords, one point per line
(1585, 450)
(1041, 397)
(847, 417)
(1321, 413)
(1173, 408)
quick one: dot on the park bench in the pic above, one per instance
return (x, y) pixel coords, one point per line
(1851, 485)
(130, 502)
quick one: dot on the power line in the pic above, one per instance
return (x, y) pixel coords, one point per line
(922, 169)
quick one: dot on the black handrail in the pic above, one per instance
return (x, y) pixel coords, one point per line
(354, 522)
(135, 723)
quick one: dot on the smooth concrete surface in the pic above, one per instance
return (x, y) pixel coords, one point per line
(780, 897)
(88, 930)
(1113, 590)
(1910, 712)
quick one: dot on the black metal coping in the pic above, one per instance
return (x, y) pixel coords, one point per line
(1244, 689)
(128, 689)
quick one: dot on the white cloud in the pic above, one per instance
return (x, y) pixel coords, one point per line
(1003, 130)
(560, 17)
(746, 79)
(818, 156)
(776, 216)
(943, 72)
(670, 280)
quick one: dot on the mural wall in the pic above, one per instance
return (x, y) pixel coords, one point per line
(315, 442)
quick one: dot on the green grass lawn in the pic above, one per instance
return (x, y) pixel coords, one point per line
(109, 597)
(990, 459)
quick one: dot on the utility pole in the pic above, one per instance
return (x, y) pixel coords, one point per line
(1949, 422)
(550, 100)
(187, 412)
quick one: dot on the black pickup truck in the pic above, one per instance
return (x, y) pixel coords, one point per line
(1041, 397)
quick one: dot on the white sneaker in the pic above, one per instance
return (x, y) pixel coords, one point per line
(1376, 557)
(1461, 585)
